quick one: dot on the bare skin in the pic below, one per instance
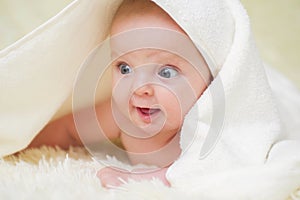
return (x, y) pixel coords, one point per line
(107, 175)
(62, 132)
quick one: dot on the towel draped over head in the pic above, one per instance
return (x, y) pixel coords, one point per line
(233, 125)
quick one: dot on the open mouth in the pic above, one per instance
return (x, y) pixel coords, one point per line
(147, 113)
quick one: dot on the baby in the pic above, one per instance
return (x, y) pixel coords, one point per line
(156, 106)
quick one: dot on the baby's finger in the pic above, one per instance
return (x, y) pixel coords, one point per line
(111, 177)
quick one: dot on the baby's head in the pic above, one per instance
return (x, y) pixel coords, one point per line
(159, 85)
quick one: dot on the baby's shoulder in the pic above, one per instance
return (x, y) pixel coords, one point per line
(106, 119)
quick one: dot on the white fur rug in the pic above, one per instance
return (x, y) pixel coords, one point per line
(49, 173)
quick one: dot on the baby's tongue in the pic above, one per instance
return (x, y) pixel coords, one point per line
(148, 111)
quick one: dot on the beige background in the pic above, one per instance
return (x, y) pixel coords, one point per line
(276, 27)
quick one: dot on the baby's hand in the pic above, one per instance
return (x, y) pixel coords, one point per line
(110, 177)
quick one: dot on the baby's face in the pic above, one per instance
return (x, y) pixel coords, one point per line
(153, 87)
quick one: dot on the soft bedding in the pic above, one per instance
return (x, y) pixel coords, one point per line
(52, 173)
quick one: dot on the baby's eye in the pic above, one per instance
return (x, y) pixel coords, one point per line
(168, 72)
(124, 68)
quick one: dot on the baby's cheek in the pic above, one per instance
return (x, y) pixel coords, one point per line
(174, 114)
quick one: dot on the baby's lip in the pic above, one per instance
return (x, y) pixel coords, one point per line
(148, 111)
(147, 114)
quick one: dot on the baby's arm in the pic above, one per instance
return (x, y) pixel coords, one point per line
(62, 132)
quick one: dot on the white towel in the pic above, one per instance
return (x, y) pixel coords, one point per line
(38, 71)
(238, 110)
(251, 123)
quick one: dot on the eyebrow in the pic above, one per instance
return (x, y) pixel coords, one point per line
(156, 53)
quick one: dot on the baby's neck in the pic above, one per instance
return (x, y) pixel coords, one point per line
(160, 151)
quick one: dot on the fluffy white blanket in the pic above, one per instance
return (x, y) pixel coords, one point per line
(49, 173)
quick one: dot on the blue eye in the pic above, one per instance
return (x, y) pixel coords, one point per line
(168, 72)
(124, 68)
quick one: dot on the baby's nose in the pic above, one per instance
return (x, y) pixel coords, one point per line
(145, 90)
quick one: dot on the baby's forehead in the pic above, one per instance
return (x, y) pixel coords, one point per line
(154, 44)
(149, 54)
